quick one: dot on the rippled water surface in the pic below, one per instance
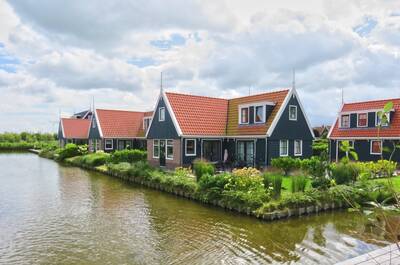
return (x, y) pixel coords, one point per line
(51, 214)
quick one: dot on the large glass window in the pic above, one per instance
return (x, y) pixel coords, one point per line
(190, 147)
(170, 149)
(345, 121)
(376, 147)
(362, 120)
(283, 147)
(244, 115)
(293, 113)
(298, 147)
(108, 144)
(156, 148)
(212, 150)
(259, 116)
(161, 114)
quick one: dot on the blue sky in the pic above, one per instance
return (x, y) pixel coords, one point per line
(56, 57)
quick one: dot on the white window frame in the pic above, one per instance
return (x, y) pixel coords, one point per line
(301, 147)
(255, 114)
(376, 119)
(361, 113)
(195, 147)
(159, 114)
(105, 144)
(370, 147)
(144, 123)
(158, 153)
(166, 149)
(248, 115)
(295, 107)
(287, 148)
(341, 123)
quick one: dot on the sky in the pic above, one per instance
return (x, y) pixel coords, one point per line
(57, 57)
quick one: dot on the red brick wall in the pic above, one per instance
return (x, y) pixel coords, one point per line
(170, 164)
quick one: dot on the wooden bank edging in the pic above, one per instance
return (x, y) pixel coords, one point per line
(270, 216)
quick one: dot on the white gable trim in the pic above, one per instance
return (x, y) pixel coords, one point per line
(292, 92)
(172, 114)
(170, 111)
(334, 122)
(62, 129)
(98, 124)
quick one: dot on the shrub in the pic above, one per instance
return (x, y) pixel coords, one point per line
(344, 173)
(130, 156)
(321, 183)
(378, 169)
(121, 169)
(273, 181)
(70, 150)
(298, 184)
(202, 167)
(140, 169)
(95, 159)
(286, 164)
(314, 166)
(183, 171)
(297, 200)
(246, 172)
(211, 186)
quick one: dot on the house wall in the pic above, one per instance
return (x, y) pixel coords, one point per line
(290, 130)
(362, 148)
(170, 164)
(162, 129)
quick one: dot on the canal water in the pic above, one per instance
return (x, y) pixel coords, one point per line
(52, 214)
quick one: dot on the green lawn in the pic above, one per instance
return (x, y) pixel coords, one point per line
(395, 182)
(287, 182)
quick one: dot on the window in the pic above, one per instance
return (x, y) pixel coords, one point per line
(378, 120)
(170, 149)
(161, 114)
(284, 147)
(146, 123)
(362, 120)
(93, 124)
(298, 147)
(293, 113)
(259, 116)
(376, 147)
(345, 121)
(244, 115)
(190, 147)
(156, 148)
(97, 144)
(109, 144)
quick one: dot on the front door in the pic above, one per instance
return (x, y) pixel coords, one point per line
(245, 153)
(212, 150)
(162, 153)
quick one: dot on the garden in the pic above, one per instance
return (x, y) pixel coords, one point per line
(291, 186)
(26, 141)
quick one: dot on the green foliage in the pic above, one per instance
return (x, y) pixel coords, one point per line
(70, 150)
(202, 167)
(130, 156)
(140, 169)
(299, 184)
(321, 183)
(95, 159)
(246, 172)
(16, 146)
(314, 166)
(320, 148)
(27, 137)
(212, 186)
(274, 182)
(378, 169)
(349, 151)
(344, 173)
(121, 169)
(286, 164)
(297, 200)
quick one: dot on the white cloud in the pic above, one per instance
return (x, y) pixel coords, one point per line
(114, 51)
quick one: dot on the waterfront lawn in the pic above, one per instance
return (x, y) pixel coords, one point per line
(395, 181)
(287, 183)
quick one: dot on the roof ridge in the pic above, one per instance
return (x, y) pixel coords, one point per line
(135, 111)
(263, 93)
(370, 101)
(191, 95)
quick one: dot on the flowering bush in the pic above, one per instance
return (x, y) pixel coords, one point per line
(378, 169)
(246, 172)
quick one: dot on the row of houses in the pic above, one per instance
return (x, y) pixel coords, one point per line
(243, 131)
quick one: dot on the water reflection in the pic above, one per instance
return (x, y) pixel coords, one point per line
(50, 214)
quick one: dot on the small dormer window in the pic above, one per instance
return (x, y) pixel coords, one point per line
(345, 121)
(161, 114)
(362, 120)
(244, 115)
(293, 113)
(385, 122)
(259, 114)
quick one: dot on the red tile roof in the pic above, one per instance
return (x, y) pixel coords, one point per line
(121, 123)
(75, 128)
(207, 116)
(198, 115)
(392, 131)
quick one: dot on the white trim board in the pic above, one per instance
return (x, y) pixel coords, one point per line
(98, 124)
